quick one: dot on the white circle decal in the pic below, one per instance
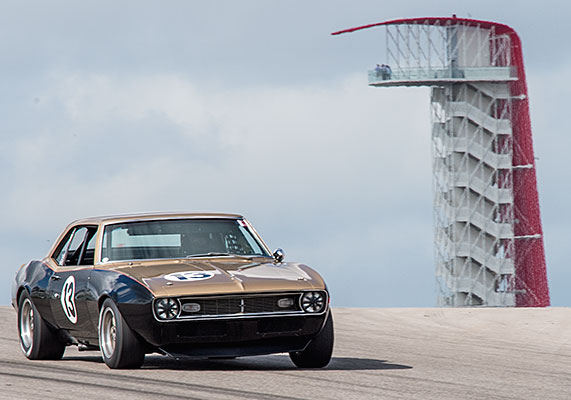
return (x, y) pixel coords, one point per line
(189, 276)
(68, 299)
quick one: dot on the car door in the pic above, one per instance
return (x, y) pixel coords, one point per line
(68, 290)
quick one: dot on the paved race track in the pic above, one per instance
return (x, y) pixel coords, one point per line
(379, 354)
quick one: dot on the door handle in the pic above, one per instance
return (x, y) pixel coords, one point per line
(55, 278)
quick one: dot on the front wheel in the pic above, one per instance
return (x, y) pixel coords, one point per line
(37, 340)
(120, 347)
(318, 353)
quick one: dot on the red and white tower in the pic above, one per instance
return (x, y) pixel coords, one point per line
(488, 239)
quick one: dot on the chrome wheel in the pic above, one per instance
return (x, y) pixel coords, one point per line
(38, 341)
(27, 326)
(120, 347)
(107, 332)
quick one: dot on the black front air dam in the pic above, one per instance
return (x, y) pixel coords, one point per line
(214, 333)
(254, 348)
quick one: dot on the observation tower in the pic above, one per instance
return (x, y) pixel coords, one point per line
(488, 240)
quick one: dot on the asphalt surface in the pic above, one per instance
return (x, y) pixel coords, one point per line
(379, 354)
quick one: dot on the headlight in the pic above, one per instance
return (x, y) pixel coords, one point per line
(313, 302)
(167, 308)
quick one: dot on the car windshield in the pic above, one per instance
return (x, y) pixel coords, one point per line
(178, 239)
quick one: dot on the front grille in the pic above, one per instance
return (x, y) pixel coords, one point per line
(217, 306)
(270, 304)
(244, 305)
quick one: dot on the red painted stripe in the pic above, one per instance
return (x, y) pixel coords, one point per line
(500, 28)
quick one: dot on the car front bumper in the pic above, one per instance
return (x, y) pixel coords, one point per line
(228, 337)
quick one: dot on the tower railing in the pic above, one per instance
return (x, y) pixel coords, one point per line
(486, 74)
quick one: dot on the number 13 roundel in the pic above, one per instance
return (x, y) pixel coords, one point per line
(68, 299)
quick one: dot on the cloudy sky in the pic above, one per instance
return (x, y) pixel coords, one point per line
(252, 107)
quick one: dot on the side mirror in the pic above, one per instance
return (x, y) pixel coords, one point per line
(278, 255)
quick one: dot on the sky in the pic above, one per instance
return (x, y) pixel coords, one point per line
(253, 107)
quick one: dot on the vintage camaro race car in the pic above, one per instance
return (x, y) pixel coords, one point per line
(183, 285)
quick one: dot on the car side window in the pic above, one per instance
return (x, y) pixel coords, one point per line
(60, 253)
(78, 247)
(88, 257)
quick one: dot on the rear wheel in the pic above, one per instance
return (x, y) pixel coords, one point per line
(318, 353)
(37, 340)
(120, 347)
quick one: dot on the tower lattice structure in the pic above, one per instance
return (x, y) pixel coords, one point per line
(488, 239)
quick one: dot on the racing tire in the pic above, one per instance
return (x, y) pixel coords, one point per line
(318, 353)
(120, 347)
(37, 340)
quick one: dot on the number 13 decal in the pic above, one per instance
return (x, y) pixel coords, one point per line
(68, 299)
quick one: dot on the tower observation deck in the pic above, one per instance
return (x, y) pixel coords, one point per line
(488, 239)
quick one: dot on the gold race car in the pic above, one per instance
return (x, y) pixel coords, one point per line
(183, 285)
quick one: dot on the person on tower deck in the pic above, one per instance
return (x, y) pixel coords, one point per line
(378, 71)
(385, 72)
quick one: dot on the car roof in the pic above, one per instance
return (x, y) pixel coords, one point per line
(151, 216)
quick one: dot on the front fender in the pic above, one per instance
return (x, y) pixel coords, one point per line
(133, 299)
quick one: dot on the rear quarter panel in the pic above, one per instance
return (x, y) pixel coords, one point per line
(34, 277)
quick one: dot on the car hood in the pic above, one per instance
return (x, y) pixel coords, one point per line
(220, 276)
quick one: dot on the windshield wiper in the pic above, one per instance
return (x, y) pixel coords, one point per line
(254, 264)
(215, 254)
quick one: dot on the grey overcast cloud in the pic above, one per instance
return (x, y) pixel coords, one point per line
(252, 107)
